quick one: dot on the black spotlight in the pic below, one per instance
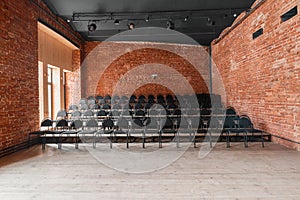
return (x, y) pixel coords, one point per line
(170, 24)
(131, 26)
(92, 27)
(117, 22)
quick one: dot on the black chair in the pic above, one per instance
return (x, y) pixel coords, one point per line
(76, 114)
(95, 107)
(183, 127)
(61, 126)
(148, 106)
(98, 98)
(230, 127)
(106, 106)
(107, 129)
(245, 125)
(61, 114)
(168, 128)
(115, 99)
(122, 127)
(84, 107)
(102, 114)
(152, 126)
(88, 130)
(73, 107)
(138, 106)
(88, 114)
(45, 128)
(73, 131)
(107, 98)
(132, 99)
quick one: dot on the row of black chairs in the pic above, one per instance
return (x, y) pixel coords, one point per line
(227, 126)
(199, 100)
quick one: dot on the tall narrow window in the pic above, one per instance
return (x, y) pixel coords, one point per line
(41, 90)
(65, 88)
(50, 93)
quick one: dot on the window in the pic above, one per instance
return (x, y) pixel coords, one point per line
(289, 14)
(257, 33)
(50, 92)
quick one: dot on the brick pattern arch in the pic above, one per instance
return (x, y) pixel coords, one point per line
(133, 59)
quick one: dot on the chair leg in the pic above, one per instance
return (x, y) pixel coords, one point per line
(43, 143)
(227, 139)
(59, 143)
(262, 140)
(76, 142)
(94, 141)
(210, 141)
(194, 139)
(246, 139)
(110, 140)
(177, 139)
(159, 140)
(127, 144)
(144, 140)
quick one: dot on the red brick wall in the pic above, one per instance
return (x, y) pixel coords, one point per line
(109, 64)
(19, 112)
(262, 76)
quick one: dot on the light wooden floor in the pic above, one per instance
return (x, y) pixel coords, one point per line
(235, 173)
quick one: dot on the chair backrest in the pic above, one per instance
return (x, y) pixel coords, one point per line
(106, 106)
(123, 124)
(95, 107)
(138, 106)
(137, 123)
(152, 123)
(84, 107)
(148, 105)
(91, 124)
(245, 122)
(102, 113)
(77, 124)
(116, 106)
(62, 124)
(99, 97)
(91, 101)
(230, 111)
(88, 114)
(47, 123)
(76, 114)
(91, 98)
(83, 101)
(73, 107)
(229, 123)
(108, 124)
(168, 124)
(61, 114)
(107, 97)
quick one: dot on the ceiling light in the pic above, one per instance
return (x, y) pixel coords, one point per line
(117, 22)
(68, 20)
(147, 19)
(92, 27)
(186, 18)
(210, 22)
(234, 15)
(131, 26)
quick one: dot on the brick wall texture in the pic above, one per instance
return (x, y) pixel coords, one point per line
(19, 104)
(123, 69)
(262, 75)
